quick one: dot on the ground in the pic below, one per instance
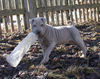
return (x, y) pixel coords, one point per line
(64, 62)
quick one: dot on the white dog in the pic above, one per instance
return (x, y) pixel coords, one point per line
(50, 36)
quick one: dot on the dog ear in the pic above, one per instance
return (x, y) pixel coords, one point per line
(43, 19)
(31, 20)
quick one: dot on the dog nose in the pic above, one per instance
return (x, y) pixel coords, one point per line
(38, 32)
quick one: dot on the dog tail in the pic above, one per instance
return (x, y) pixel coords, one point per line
(70, 23)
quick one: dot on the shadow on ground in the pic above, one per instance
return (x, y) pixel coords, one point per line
(64, 62)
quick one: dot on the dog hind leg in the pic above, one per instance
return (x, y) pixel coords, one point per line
(81, 44)
(78, 40)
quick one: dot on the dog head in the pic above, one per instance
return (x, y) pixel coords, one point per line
(38, 25)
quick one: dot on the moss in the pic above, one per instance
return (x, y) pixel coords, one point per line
(79, 71)
(87, 70)
(54, 74)
(73, 70)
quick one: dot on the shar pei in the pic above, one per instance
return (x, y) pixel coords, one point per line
(49, 36)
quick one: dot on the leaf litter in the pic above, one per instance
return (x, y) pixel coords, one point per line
(64, 62)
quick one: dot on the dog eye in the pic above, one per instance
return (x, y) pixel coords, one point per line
(41, 24)
(34, 25)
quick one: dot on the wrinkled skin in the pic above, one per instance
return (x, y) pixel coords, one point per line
(49, 36)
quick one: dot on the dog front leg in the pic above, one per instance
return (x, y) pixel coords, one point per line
(44, 49)
(47, 53)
